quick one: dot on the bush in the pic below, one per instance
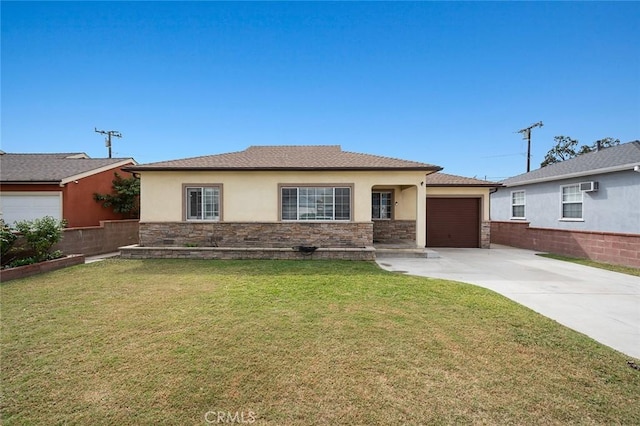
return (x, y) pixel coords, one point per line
(7, 237)
(41, 234)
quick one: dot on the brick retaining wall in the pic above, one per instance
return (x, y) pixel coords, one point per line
(106, 238)
(39, 268)
(389, 231)
(608, 247)
(264, 235)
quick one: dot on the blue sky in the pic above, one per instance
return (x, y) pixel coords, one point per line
(443, 83)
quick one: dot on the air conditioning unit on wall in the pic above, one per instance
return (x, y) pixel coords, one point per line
(589, 186)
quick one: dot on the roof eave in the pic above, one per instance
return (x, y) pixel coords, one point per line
(295, 169)
(472, 185)
(30, 182)
(603, 170)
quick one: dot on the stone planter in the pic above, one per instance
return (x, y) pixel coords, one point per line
(39, 268)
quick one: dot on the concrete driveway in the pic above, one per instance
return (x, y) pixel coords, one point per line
(601, 304)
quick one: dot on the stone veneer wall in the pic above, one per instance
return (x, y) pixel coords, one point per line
(224, 253)
(388, 231)
(485, 234)
(248, 234)
(608, 247)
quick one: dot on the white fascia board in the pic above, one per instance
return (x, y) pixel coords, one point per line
(98, 170)
(573, 175)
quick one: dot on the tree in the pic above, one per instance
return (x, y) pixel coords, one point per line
(566, 148)
(125, 199)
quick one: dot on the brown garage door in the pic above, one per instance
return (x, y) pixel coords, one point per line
(453, 222)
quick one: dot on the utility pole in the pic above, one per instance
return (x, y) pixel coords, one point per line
(109, 134)
(526, 134)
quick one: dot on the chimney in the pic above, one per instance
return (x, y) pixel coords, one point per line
(598, 146)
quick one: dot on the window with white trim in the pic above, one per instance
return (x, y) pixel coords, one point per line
(202, 203)
(381, 205)
(308, 203)
(571, 202)
(517, 205)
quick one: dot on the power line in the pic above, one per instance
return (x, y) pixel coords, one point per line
(109, 134)
(526, 134)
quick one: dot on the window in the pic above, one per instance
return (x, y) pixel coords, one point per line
(316, 203)
(203, 203)
(381, 205)
(571, 202)
(517, 205)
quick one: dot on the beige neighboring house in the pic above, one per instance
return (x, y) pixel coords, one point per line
(286, 196)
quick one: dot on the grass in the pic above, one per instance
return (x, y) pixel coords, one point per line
(303, 342)
(608, 266)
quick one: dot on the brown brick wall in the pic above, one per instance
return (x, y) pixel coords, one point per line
(243, 234)
(39, 268)
(388, 231)
(108, 237)
(618, 249)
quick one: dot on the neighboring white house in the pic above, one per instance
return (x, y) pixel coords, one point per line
(597, 194)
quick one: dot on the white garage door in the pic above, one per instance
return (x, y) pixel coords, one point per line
(30, 206)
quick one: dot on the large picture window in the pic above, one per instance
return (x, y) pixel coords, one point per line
(381, 205)
(517, 205)
(571, 202)
(316, 203)
(203, 203)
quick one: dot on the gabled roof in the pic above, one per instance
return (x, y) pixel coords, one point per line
(54, 168)
(613, 159)
(311, 157)
(444, 179)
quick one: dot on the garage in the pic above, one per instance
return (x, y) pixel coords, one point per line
(29, 206)
(453, 222)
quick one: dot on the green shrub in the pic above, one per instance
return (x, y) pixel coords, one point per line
(41, 234)
(8, 238)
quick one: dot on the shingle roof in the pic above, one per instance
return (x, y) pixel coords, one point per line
(314, 157)
(52, 168)
(606, 160)
(444, 179)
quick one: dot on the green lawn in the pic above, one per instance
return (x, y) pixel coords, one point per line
(301, 342)
(586, 262)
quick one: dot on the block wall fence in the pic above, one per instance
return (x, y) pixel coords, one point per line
(106, 238)
(614, 248)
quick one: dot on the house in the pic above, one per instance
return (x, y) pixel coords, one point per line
(287, 196)
(60, 185)
(587, 206)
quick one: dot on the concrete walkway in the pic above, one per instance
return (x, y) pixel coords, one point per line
(99, 257)
(601, 304)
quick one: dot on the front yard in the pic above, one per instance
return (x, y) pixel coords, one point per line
(300, 342)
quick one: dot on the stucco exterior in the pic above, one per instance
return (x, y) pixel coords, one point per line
(78, 207)
(253, 195)
(615, 207)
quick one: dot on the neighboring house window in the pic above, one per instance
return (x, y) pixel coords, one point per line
(316, 203)
(571, 202)
(203, 203)
(381, 205)
(517, 205)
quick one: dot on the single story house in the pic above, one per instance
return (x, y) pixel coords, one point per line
(587, 206)
(60, 185)
(286, 196)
